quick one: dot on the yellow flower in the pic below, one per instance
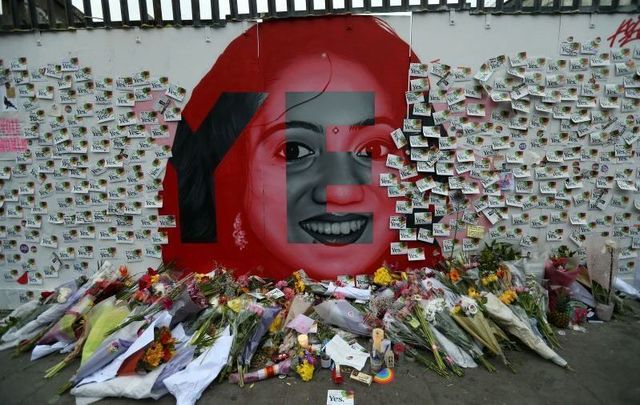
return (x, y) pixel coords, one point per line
(473, 293)
(382, 277)
(298, 285)
(456, 310)
(508, 297)
(486, 280)
(154, 279)
(153, 355)
(276, 324)
(236, 304)
(305, 370)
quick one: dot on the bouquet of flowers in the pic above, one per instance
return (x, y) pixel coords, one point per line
(60, 321)
(158, 352)
(165, 291)
(423, 316)
(76, 324)
(467, 314)
(445, 324)
(534, 302)
(28, 331)
(187, 385)
(23, 311)
(561, 269)
(502, 314)
(243, 325)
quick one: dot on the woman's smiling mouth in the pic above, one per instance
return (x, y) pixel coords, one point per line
(336, 229)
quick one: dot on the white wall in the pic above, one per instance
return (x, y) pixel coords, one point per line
(186, 54)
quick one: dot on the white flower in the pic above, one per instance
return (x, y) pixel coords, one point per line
(472, 309)
(468, 305)
(160, 289)
(63, 294)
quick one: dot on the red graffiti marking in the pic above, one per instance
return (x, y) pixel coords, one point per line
(628, 30)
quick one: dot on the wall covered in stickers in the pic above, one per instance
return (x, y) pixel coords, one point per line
(328, 144)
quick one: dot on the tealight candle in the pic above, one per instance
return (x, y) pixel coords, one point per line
(303, 341)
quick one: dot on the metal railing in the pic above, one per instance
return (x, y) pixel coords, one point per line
(29, 15)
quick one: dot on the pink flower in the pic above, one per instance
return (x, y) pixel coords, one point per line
(257, 309)
(243, 281)
(281, 284)
(289, 293)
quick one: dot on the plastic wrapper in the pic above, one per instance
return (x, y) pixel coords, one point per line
(132, 386)
(505, 317)
(21, 312)
(299, 305)
(579, 293)
(343, 315)
(518, 276)
(184, 355)
(41, 351)
(455, 353)
(111, 369)
(560, 278)
(450, 297)
(104, 355)
(349, 292)
(187, 385)
(63, 330)
(626, 288)
(183, 307)
(103, 317)
(480, 328)
(48, 317)
(268, 315)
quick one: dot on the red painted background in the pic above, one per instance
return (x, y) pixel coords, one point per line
(346, 53)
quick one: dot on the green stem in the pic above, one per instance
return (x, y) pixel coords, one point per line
(428, 363)
(66, 387)
(428, 334)
(55, 369)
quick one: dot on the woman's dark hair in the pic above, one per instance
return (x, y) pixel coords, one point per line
(196, 154)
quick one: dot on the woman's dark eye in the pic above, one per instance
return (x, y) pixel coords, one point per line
(296, 151)
(374, 150)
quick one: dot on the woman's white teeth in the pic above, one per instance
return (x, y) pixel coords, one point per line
(335, 228)
(344, 228)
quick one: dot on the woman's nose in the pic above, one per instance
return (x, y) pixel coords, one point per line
(340, 169)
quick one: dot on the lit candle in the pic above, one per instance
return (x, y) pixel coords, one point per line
(303, 341)
(377, 335)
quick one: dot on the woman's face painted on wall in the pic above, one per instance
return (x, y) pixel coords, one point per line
(312, 194)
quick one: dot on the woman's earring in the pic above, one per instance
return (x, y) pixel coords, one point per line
(239, 235)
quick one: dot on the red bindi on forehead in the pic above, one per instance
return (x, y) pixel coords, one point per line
(339, 138)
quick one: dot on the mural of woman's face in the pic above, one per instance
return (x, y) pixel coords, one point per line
(312, 194)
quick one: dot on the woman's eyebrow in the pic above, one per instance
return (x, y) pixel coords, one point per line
(305, 125)
(374, 121)
(317, 128)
